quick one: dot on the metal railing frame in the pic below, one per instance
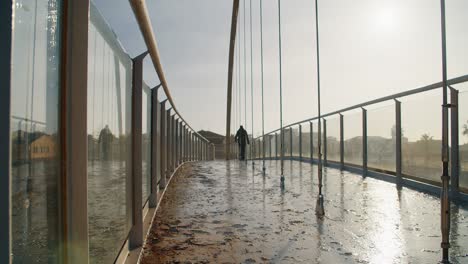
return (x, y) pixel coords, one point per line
(455, 163)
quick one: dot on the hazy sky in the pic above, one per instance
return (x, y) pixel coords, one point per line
(369, 49)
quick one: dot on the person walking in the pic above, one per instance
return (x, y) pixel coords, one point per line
(242, 138)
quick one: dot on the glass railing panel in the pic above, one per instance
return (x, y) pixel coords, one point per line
(305, 142)
(381, 137)
(333, 138)
(315, 139)
(287, 143)
(273, 144)
(259, 152)
(109, 141)
(266, 141)
(295, 141)
(352, 135)
(146, 143)
(421, 135)
(35, 159)
(463, 137)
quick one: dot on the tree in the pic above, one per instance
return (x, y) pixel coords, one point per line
(426, 137)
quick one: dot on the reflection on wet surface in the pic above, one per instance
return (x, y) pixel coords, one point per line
(227, 212)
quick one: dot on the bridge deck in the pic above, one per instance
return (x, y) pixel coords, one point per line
(227, 212)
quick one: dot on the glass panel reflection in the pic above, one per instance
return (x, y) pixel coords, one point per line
(352, 123)
(381, 138)
(295, 141)
(146, 143)
(34, 130)
(421, 140)
(305, 140)
(109, 142)
(463, 138)
(333, 138)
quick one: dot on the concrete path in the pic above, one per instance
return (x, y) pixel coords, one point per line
(227, 212)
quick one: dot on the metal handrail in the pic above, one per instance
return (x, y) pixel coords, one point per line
(144, 22)
(457, 80)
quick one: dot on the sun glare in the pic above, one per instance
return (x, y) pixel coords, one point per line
(385, 18)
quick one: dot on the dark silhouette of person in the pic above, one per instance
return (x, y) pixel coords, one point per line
(105, 140)
(242, 138)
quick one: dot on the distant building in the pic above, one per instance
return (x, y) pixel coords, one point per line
(43, 147)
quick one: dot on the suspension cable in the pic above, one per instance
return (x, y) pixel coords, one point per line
(319, 210)
(251, 87)
(281, 95)
(261, 63)
(245, 74)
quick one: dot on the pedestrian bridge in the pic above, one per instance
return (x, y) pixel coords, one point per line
(99, 165)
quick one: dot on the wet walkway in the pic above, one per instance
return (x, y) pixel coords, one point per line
(226, 212)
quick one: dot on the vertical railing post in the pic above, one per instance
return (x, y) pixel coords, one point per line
(187, 135)
(136, 232)
(199, 148)
(290, 142)
(189, 153)
(163, 144)
(341, 142)
(398, 132)
(196, 148)
(454, 155)
(152, 202)
(185, 143)
(192, 146)
(364, 142)
(325, 159)
(73, 128)
(311, 142)
(174, 142)
(176, 138)
(6, 12)
(300, 142)
(179, 140)
(169, 144)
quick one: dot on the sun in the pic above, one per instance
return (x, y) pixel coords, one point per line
(385, 18)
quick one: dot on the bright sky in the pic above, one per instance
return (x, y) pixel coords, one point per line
(369, 49)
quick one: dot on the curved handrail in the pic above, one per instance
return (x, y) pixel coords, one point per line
(144, 23)
(457, 80)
